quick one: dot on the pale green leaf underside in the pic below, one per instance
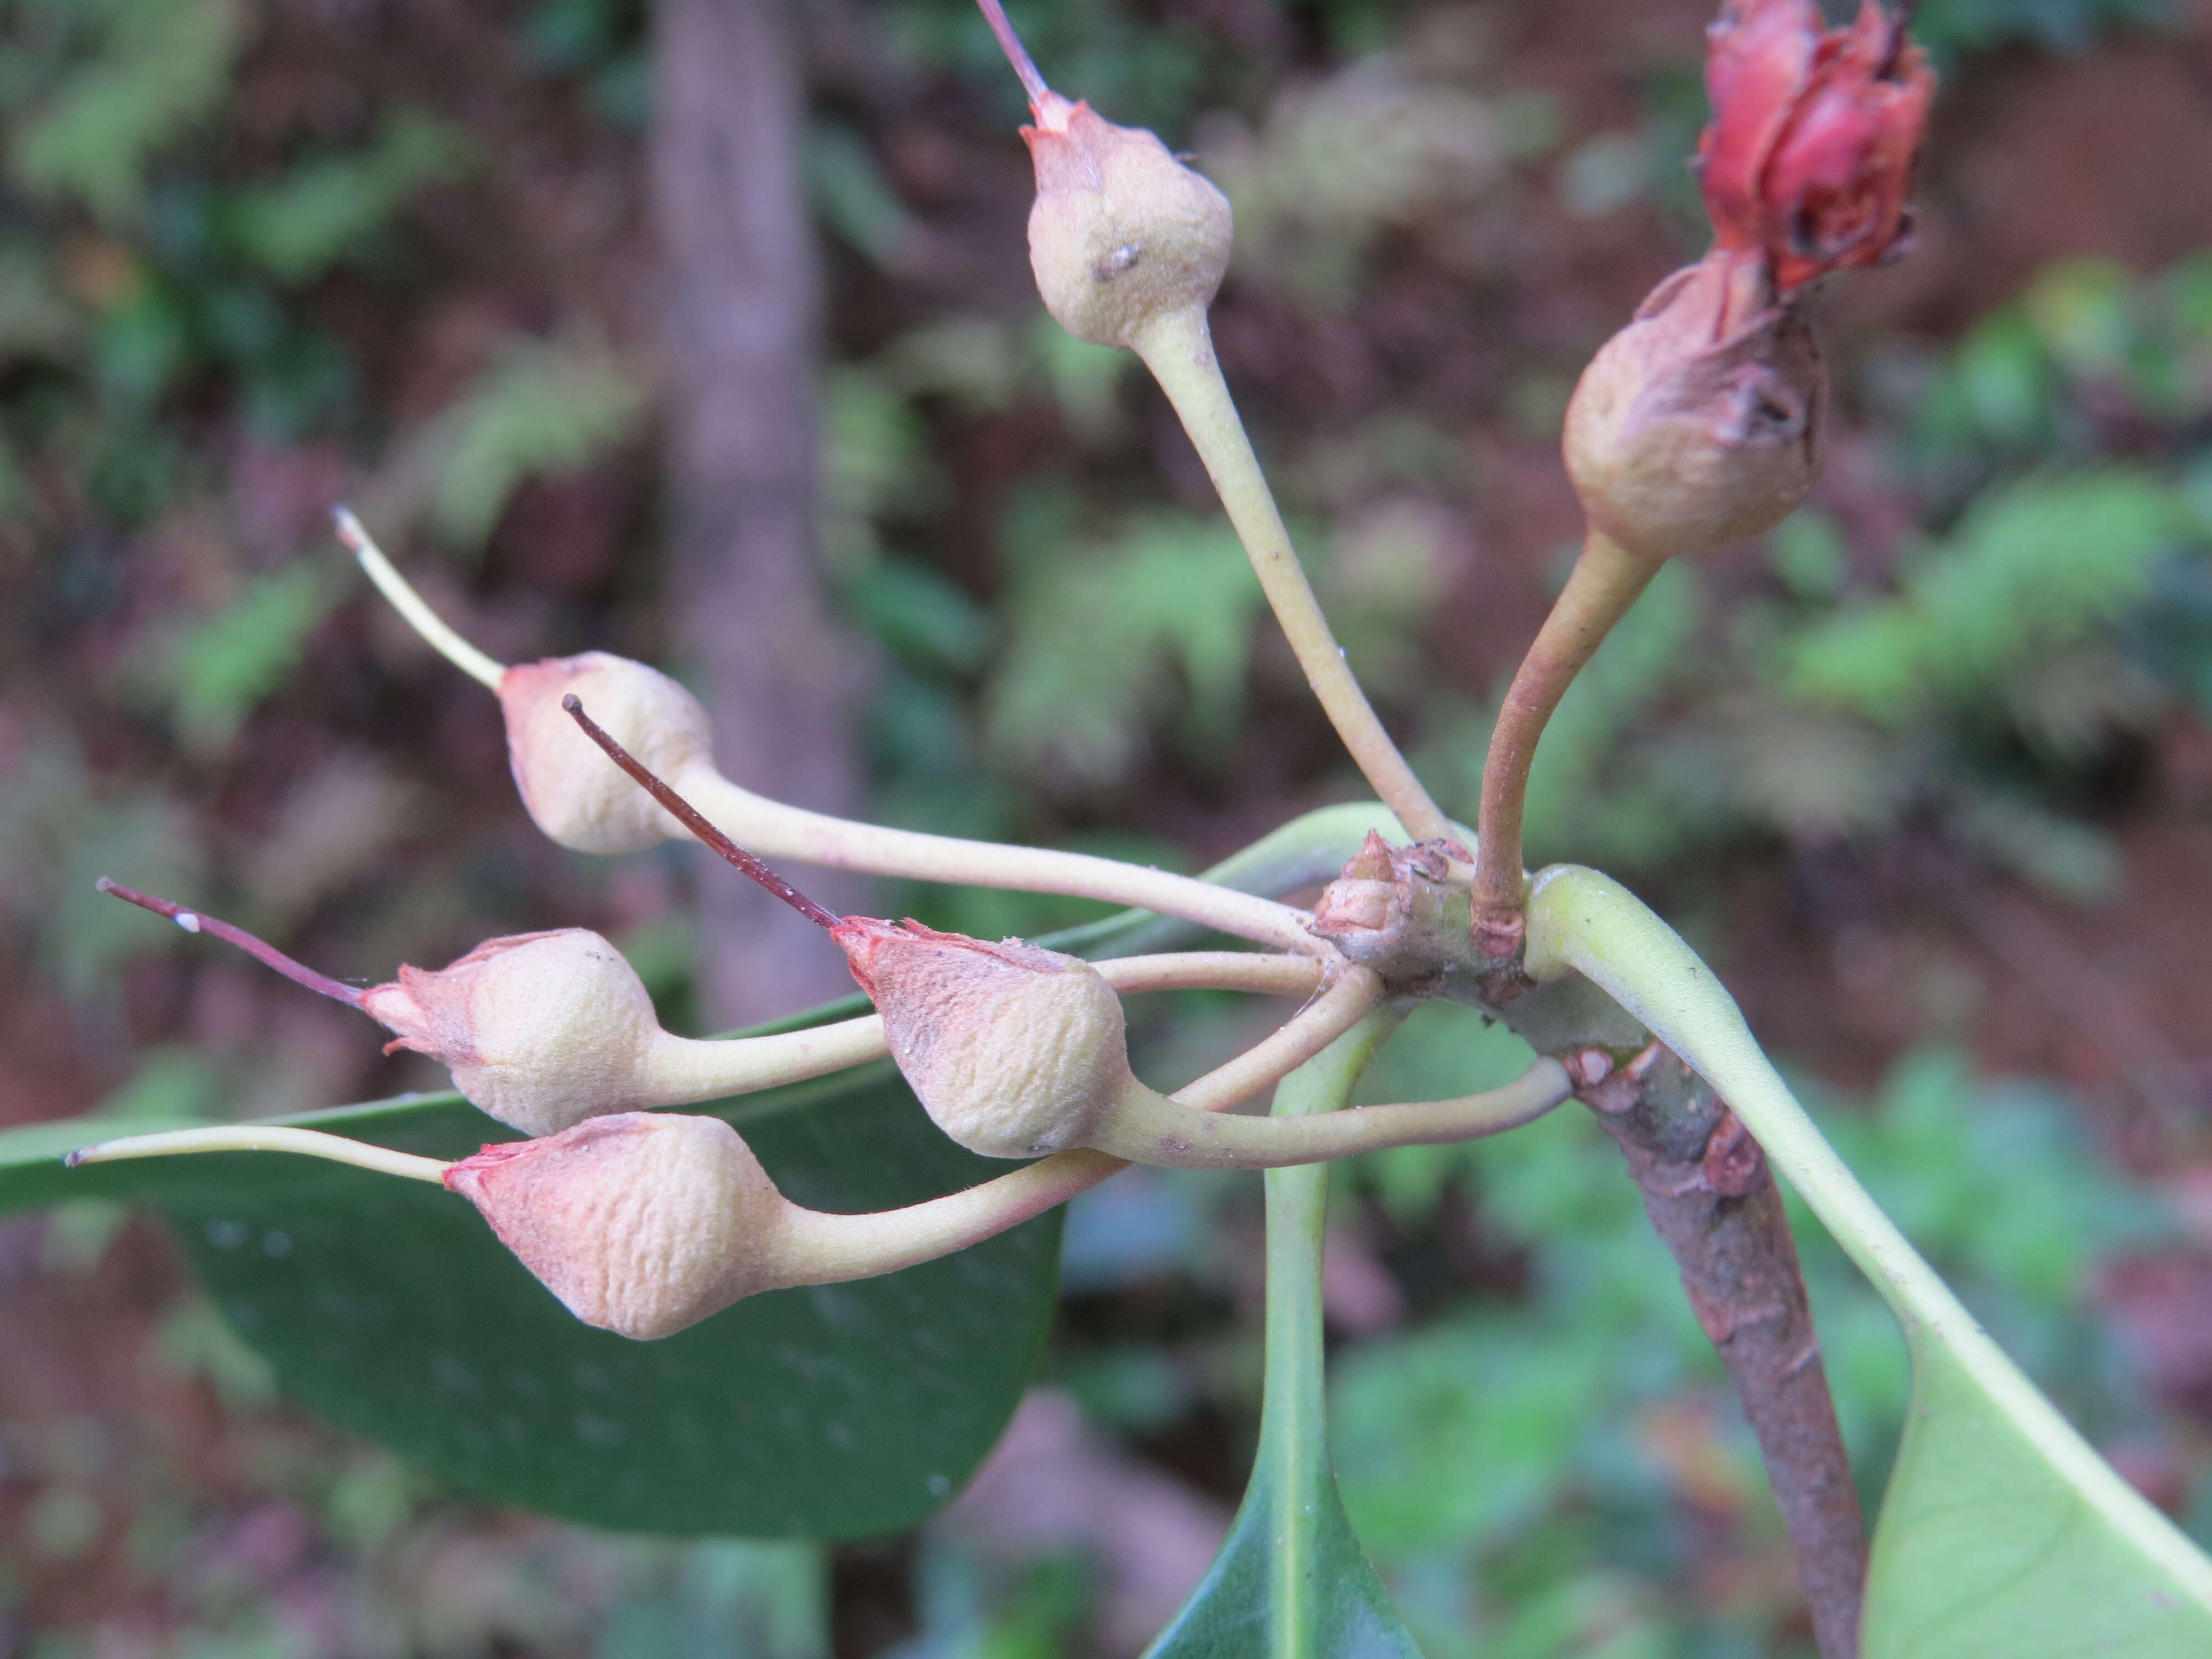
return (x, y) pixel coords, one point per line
(2002, 1532)
(2055, 1577)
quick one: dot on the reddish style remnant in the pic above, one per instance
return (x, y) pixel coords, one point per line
(1813, 137)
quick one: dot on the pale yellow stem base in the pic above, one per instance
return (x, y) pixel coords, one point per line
(264, 1138)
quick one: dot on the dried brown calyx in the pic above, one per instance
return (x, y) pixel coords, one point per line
(1699, 424)
(1401, 910)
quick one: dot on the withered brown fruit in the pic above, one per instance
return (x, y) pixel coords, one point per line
(1699, 424)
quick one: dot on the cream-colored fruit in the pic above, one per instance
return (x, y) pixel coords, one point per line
(1013, 1051)
(1121, 233)
(640, 1223)
(541, 1031)
(573, 792)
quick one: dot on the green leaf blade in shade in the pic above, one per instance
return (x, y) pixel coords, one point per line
(1236, 1611)
(387, 1308)
(2002, 1532)
(1291, 1582)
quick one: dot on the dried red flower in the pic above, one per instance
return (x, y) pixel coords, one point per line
(641, 1222)
(1813, 137)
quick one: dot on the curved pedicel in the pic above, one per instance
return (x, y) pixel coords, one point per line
(575, 799)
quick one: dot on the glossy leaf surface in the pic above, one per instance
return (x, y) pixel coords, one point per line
(386, 1307)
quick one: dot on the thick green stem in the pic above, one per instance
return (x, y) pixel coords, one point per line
(1581, 921)
(1605, 581)
(1179, 350)
(1293, 1419)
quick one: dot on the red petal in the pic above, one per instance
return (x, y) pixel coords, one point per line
(1835, 188)
(1758, 59)
(1813, 134)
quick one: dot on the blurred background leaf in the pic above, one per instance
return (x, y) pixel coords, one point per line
(255, 259)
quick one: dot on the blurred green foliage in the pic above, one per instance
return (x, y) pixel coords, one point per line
(1967, 26)
(166, 320)
(1552, 1436)
(325, 207)
(1542, 1456)
(1100, 636)
(96, 90)
(539, 410)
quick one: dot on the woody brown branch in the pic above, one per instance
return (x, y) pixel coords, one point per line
(1405, 912)
(1709, 1192)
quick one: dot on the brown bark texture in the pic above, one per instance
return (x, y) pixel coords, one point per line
(742, 321)
(1709, 1192)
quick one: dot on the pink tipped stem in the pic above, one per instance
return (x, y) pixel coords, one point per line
(692, 819)
(1016, 54)
(349, 529)
(196, 921)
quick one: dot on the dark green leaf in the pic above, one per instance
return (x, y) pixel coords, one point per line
(387, 1308)
(1242, 1608)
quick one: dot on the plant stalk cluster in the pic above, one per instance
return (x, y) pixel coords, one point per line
(1699, 424)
